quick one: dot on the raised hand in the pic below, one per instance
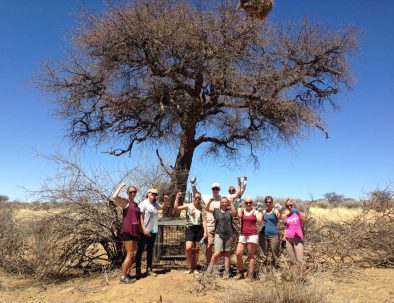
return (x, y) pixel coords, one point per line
(278, 206)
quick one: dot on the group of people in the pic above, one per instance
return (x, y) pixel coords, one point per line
(209, 220)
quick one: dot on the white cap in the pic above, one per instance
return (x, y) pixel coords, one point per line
(215, 185)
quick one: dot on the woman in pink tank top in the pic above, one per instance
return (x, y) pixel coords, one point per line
(248, 238)
(294, 236)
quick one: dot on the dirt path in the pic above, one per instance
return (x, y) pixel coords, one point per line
(372, 285)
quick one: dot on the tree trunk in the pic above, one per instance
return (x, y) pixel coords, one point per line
(182, 165)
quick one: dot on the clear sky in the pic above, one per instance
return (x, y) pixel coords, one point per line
(357, 158)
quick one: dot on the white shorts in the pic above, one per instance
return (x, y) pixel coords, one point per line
(248, 239)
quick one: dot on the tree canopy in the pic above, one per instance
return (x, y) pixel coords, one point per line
(169, 73)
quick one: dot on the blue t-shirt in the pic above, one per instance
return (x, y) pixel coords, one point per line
(270, 224)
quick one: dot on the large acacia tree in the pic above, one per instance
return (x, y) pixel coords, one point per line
(168, 73)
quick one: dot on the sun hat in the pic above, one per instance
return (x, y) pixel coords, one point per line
(154, 191)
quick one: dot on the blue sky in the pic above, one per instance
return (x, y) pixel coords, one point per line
(357, 158)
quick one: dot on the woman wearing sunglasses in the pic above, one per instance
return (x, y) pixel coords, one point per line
(248, 238)
(294, 235)
(196, 228)
(223, 233)
(149, 222)
(130, 228)
(269, 234)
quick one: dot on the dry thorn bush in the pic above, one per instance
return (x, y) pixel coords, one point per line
(82, 236)
(270, 291)
(364, 240)
(202, 283)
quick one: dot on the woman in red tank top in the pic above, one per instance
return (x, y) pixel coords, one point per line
(248, 238)
(131, 227)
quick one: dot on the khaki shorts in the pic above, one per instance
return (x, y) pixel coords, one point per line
(222, 244)
(211, 236)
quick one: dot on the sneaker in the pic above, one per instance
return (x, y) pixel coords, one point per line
(239, 276)
(226, 275)
(126, 280)
(195, 271)
(151, 273)
(189, 271)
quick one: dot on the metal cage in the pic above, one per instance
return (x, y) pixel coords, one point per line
(170, 243)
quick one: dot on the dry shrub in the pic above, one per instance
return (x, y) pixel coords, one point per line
(322, 204)
(297, 291)
(12, 241)
(82, 235)
(364, 240)
(203, 283)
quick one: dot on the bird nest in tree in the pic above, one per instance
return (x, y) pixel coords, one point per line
(258, 9)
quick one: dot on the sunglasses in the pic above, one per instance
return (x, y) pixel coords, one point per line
(154, 194)
(268, 202)
(215, 188)
(197, 198)
(248, 203)
(289, 205)
(132, 192)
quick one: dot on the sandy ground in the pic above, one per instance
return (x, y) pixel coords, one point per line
(370, 285)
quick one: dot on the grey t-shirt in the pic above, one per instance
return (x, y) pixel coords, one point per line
(223, 221)
(150, 212)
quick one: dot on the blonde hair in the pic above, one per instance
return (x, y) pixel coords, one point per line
(292, 201)
(132, 187)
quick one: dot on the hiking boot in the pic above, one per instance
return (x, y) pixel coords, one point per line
(126, 280)
(151, 273)
(138, 274)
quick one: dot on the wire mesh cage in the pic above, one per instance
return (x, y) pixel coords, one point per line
(170, 243)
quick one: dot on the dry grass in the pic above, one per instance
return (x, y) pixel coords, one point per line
(26, 214)
(337, 214)
(296, 291)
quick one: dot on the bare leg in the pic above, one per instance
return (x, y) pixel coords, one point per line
(226, 261)
(208, 253)
(196, 251)
(251, 253)
(239, 254)
(291, 254)
(189, 255)
(130, 247)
